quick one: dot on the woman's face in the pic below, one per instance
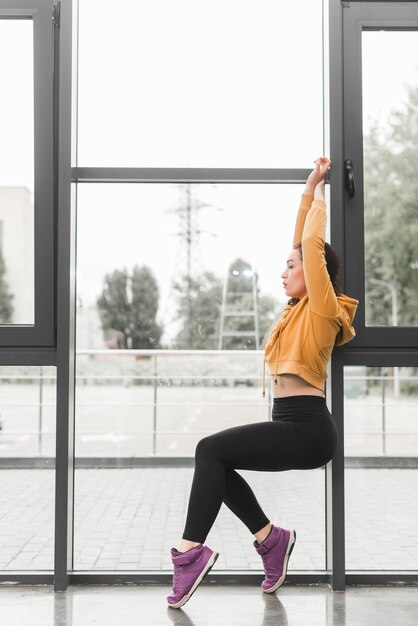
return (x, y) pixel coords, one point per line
(293, 277)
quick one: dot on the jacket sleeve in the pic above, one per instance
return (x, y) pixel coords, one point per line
(321, 294)
(304, 207)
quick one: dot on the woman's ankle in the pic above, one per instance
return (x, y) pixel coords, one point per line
(262, 534)
(186, 545)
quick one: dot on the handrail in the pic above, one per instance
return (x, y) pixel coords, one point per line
(157, 356)
(153, 352)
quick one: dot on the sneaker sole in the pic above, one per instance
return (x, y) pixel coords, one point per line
(290, 546)
(205, 571)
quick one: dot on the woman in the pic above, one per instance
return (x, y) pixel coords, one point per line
(302, 433)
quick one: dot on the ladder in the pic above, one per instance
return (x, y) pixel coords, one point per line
(231, 308)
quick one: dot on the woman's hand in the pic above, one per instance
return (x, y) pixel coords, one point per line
(322, 165)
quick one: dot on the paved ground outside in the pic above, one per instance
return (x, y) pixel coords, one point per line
(128, 519)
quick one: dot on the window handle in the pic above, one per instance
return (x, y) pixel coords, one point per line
(350, 184)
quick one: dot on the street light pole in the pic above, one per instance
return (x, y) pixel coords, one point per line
(394, 296)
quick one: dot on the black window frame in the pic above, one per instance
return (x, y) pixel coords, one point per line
(357, 17)
(42, 332)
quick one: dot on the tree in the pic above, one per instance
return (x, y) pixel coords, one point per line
(144, 330)
(127, 309)
(6, 297)
(200, 314)
(391, 216)
(391, 220)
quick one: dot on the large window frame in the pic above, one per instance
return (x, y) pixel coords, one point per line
(363, 16)
(67, 177)
(86, 175)
(372, 346)
(42, 332)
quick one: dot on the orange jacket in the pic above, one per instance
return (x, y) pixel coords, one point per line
(302, 341)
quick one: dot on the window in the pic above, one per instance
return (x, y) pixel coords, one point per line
(26, 176)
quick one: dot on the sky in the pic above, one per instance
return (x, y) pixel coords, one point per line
(199, 84)
(229, 86)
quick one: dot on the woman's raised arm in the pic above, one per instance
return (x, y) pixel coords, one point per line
(315, 177)
(321, 294)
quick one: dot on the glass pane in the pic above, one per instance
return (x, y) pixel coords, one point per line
(182, 242)
(27, 461)
(138, 409)
(16, 173)
(381, 467)
(200, 84)
(129, 518)
(390, 132)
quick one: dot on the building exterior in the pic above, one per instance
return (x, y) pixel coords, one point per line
(17, 247)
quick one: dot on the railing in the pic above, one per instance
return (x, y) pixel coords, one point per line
(39, 407)
(159, 374)
(214, 369)
(160, 369)
(384, 379)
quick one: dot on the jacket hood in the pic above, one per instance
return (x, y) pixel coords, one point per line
(347, 311)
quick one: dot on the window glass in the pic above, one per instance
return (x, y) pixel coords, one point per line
(169, 262)
(381, 452)
(390, 134)
(200, 84)
(129, 518)
(16, 173)
(27, 465)
(151, 380)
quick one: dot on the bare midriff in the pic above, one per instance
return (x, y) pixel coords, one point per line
(292, 385)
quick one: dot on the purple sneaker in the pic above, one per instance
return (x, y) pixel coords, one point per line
(190, 568)
(275, 551)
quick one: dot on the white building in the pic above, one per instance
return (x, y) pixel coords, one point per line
(17, 246)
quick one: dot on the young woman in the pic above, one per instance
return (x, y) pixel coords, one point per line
(302, 433)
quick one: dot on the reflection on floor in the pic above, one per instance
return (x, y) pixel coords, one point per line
(210, 605)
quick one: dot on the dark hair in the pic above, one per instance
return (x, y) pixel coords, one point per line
(333, 266)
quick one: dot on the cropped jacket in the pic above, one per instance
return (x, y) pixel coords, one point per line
(305, 334)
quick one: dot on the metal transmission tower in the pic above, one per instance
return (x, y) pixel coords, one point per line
(189, 258)
(239, 304)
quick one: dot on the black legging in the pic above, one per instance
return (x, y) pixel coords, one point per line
(301, 435)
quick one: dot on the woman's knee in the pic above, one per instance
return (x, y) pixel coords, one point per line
(206, 447)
